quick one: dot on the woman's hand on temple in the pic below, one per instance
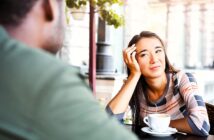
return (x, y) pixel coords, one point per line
(129, 56)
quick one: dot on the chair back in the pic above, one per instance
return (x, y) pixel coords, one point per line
(210, 111)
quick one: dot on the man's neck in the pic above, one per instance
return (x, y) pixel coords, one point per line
(24, 34)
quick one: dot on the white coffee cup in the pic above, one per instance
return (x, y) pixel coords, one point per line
(157, 122)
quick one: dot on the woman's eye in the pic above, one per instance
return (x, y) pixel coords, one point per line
(158, 51)
(142, 55)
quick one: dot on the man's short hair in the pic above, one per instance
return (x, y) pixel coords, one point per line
(12, 12)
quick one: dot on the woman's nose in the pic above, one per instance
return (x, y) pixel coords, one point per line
(153, 58)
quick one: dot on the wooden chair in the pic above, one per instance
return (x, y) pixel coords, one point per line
(210, 111)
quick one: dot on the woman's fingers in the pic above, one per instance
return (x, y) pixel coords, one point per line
(127, 53)
(133, 57)
(129, 56)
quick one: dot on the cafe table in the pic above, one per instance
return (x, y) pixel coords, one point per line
(177, 136)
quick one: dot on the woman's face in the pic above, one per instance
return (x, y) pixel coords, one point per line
(151, 57)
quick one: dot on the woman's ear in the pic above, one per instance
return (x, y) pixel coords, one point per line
(48, 10)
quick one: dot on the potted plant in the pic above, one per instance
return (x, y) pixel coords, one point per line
(103, 7)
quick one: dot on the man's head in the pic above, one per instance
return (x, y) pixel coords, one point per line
(12, 12)
(38, 23)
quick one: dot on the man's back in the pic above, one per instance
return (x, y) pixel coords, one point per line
(42, 98)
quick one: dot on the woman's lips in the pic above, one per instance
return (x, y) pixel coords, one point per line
(154, 67)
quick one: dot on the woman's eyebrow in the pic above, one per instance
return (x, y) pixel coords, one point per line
(142, 51)
(158, 47)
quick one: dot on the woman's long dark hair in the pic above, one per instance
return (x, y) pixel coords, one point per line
(135, 102)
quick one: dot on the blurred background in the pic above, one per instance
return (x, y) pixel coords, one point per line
(186, 26)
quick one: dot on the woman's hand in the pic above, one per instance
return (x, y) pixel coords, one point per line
(130, 59)
(121, 101)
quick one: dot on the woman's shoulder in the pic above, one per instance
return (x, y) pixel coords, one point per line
(183, 74)
(185, 77)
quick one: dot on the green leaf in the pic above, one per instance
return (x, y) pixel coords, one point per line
(76, 3)
(103, 6)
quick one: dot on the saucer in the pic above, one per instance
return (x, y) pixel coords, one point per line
(169, 132)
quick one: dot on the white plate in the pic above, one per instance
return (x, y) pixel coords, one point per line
(159, 134)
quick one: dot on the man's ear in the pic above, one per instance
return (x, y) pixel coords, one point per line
(48, 10)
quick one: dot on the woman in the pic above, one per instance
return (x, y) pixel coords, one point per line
(153, 85)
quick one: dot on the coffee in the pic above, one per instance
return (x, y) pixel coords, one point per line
(158, 122)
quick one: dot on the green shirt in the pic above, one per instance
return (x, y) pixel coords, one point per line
(44, 98)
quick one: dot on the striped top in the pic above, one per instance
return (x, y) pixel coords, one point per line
(180, 99)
